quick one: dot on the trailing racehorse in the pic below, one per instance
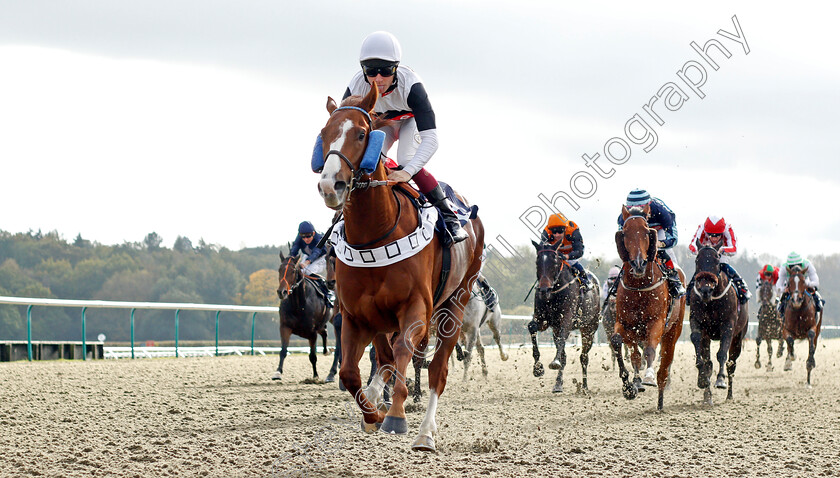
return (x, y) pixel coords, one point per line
(646, 314)
(559, 304)
(715, 315)
(801, 319)
(303, 312)
(769, 325)
(388, 273)
(335, 318)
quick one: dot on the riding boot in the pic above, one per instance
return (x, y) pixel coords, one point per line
(818, 301)
(581, 275)
(743, 292)
(782, 303)
(613, 288)
(329, 296)
(674, 283)
(453, 225)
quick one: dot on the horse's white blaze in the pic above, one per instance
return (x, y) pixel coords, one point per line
(333, 164)
(429, 427)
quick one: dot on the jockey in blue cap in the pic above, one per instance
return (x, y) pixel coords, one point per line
(314, 262)
(664, 221)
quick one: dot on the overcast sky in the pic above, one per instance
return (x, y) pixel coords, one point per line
(197, 118)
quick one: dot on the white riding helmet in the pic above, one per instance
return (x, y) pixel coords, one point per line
(381, 46)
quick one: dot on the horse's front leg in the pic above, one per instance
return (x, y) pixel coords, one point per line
(413, 333)
(494, 324)
(533, 328)
(790, 357)
(655, 331)
(723, 355)
(385, 367)
(810, 364)
(470, 336)
(758, 345)
(313, 355)
(616, 341)
(586, 345)
(353, 343)
(337, 354)
(559, 362)
(285, 335)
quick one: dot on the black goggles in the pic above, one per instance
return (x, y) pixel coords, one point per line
(384, 71)
(715, 234)
(307, 235)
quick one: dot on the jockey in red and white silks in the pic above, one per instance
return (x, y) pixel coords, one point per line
(716, 232)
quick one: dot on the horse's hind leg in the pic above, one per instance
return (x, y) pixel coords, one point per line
(722, 356)
(586, 345)
(559, 362)
(377, 384)
(494, 324)
(734, 353)
(337, 354)
(468, 348)
(758, 347)
(480, 348)
(636, 361)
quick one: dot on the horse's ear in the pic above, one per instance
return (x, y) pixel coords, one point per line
(652, 240)
(625, 213)
(619, 244)
(697, 244)
(370, 99)
(718, 246)
(536, 245)
(646, 209)
(281, 257)
(331, 105)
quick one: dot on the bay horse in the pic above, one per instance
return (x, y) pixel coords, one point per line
(335, 317)
(408, 296)
(646, 315)
(302, 312)
(801, 319)
(769, 325)
(559, 304)
(475, 316)
(715, 315)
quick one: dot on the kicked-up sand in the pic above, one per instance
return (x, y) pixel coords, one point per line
(222, 416)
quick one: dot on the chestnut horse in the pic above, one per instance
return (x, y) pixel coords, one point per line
(559, 304)
(801, 319)
(769, 325)
(302, 312)
(715, 315)
(398, 297)
(645, 313)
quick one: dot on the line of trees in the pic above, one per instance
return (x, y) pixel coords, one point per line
(36, 264)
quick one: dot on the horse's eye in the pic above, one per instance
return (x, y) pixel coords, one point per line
(362, 136)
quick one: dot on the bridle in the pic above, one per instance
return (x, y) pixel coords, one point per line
(356, 181)
(555, 287)
(289, 286)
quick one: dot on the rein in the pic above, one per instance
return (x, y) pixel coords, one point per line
(715, 297)
(643, 289)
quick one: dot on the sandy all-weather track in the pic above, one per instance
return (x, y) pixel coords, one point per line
(224, 417)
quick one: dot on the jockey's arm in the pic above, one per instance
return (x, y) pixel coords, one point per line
(424, 117)
(780, 284)
(730, 242)
(813, 280)
(577, 245)
(692, 246)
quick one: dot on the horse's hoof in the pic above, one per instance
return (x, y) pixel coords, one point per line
(757, 364)
(707, 396)
(629, 391)
(277, 376)
(638, 385)
(539, 370)
(770, 367)
(505, 357)
(702, 381)
(484, 372)
(788, 365)
(330, 378)
(554, 365)
(341, 386)
(558, 387)
(650, 379)
(394, 425)
(370, 427)
(720, 382)
(424, 443)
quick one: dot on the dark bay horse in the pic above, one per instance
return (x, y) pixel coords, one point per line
(715, 315)
(769, 325)
(801, 319)
(335, 317)
(398, 297)
(302, 312)
(646, 315)
(559, 304)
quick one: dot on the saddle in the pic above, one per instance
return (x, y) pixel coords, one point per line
(321, 289)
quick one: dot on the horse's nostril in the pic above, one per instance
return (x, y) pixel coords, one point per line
(340, 186)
